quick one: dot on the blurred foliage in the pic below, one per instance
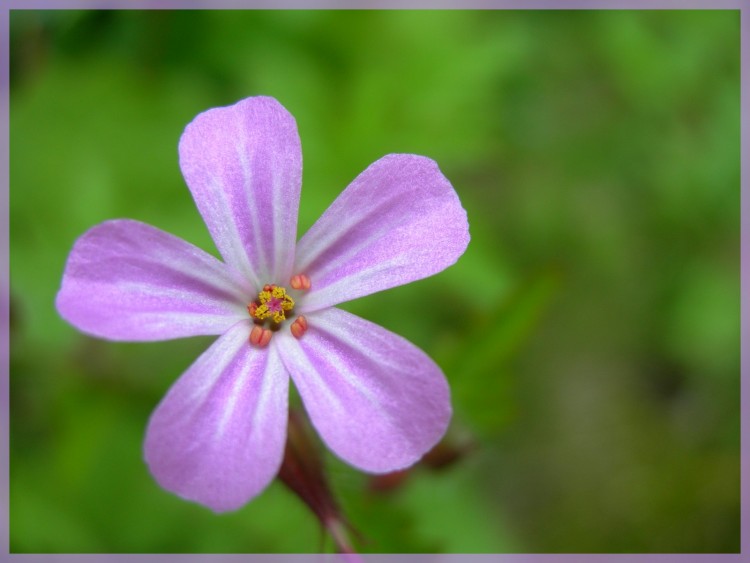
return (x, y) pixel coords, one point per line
(590, 332)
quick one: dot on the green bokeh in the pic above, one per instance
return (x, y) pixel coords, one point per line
(590, 333)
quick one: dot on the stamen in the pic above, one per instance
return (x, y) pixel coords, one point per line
(299, 327)
(272, 302)
(260, 336)
(268, 312)
(300, 281)
(252, 308)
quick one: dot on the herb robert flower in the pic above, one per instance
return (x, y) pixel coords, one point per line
(218, 435)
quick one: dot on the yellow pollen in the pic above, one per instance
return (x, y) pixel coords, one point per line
(273, 303)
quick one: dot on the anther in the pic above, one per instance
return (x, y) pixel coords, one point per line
(300, 281)
(260, 336)
(299, 327)
(272, 302)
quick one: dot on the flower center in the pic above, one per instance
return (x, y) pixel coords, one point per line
(272, 303)
(272, 307)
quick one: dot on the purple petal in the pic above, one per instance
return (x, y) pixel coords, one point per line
(125, 280)
(377, 400)
(243, 164)
(398, 221)
(218, 436)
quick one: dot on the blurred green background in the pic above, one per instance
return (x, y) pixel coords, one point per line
(590, 332)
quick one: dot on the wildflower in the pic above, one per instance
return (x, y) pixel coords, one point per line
(218, 435)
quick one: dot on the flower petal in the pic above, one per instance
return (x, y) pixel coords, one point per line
(217, 437)
(243, 164)
(398, 221)
(377, 400)
(126, 280)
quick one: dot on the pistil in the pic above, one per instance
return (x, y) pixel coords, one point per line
(272, 307)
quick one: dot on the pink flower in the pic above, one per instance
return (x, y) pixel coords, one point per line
(378, 402)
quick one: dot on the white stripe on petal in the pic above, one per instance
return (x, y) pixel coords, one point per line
(378, 401)
(125, 280)
(243, 165)
(399, 221)
(218, 436)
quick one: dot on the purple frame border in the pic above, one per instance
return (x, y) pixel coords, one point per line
(370, 4)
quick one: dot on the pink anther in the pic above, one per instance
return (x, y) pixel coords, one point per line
(300, 281)
(299, 327)
(260, 336)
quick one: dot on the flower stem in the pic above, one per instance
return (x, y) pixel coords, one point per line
(303, 473)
